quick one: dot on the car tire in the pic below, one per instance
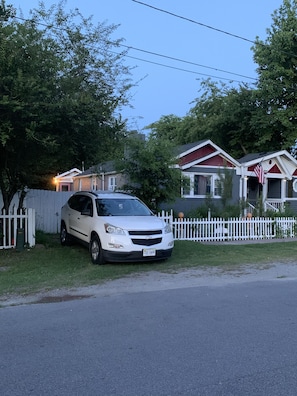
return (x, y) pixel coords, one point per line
(96, 250)
(64, 236)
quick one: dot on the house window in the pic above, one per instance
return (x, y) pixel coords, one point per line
(194, 185)
(186, 186)
(202, 185)
(112, 183)
(218, 187)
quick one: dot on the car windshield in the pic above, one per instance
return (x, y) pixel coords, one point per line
(121, 207)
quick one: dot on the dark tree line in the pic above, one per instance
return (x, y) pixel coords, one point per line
(250, 118)
(60, 88)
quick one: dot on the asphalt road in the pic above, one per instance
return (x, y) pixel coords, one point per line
(227, 338)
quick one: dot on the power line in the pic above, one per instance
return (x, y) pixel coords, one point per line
(188, 62)
(212, 28)
(160, 55)
(195, 22)
(180, 69)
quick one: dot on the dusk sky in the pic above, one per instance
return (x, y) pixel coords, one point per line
(201, 35)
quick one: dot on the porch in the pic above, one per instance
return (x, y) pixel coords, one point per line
(273, 196)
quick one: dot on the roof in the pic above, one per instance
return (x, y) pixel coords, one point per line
(103, 167)
(70, 173)
(106, 194)
(203, 153)
(255, 156)
(185, 147)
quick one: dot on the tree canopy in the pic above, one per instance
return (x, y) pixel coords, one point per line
(248, 118)
(61, 86)
(277, 72)
(149, 166)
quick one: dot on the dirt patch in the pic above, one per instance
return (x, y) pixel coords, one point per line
(56, 299)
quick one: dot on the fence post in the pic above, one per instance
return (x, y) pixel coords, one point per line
(31, 227)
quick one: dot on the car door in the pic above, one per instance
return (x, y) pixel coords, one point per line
(83, 220)
(77, 220)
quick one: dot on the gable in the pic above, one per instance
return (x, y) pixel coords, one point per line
(217, 160)
(274, 169)
(196, 155)
(205, 153)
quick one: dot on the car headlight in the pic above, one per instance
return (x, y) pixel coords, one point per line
(111, 229)
(167, 228)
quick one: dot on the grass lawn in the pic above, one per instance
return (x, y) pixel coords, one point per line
(49, 265)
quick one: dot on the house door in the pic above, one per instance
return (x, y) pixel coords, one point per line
(274, 188)
(254, 190)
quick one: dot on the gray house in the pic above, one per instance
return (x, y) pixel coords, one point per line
(269, 177)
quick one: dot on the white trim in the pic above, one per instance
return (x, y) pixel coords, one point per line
(219, 151)
(191, 175)
(285, 169)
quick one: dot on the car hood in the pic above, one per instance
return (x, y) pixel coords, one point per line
(136, 222)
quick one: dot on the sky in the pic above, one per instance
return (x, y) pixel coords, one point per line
(195, 34)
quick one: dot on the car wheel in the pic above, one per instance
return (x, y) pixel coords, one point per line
(64, 236)
(96, 250)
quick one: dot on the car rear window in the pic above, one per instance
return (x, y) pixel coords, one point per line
(121, 207)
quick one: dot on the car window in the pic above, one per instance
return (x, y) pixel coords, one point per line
(80, 203)
(121, 207)
(87, 205)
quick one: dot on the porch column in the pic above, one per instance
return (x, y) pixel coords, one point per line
(244, 188)
(284, 190)
(264, 190)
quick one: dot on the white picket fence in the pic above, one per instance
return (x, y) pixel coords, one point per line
(17, 229)
(232, 229)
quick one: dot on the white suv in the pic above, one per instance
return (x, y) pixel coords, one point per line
(116, 227)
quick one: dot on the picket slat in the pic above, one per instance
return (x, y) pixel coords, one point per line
(10, 224)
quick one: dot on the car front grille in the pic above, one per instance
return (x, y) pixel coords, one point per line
(146, 242)
(148, 232)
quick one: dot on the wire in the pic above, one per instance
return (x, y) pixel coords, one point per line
(192, 21)
(213, 28)
(160, 55)
(190, 63)
(180, 69)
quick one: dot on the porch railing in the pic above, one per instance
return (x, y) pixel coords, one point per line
(276, 205)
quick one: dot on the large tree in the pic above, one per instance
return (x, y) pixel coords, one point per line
(149, 165)
(277, 70)
(222, 114)
(245, 119)
(60, 88)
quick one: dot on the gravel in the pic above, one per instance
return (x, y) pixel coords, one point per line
(154, 281)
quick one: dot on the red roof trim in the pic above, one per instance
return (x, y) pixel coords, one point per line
(197, 154)
(274, 169)
(217, 160)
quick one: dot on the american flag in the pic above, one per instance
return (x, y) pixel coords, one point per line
(260, 173)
